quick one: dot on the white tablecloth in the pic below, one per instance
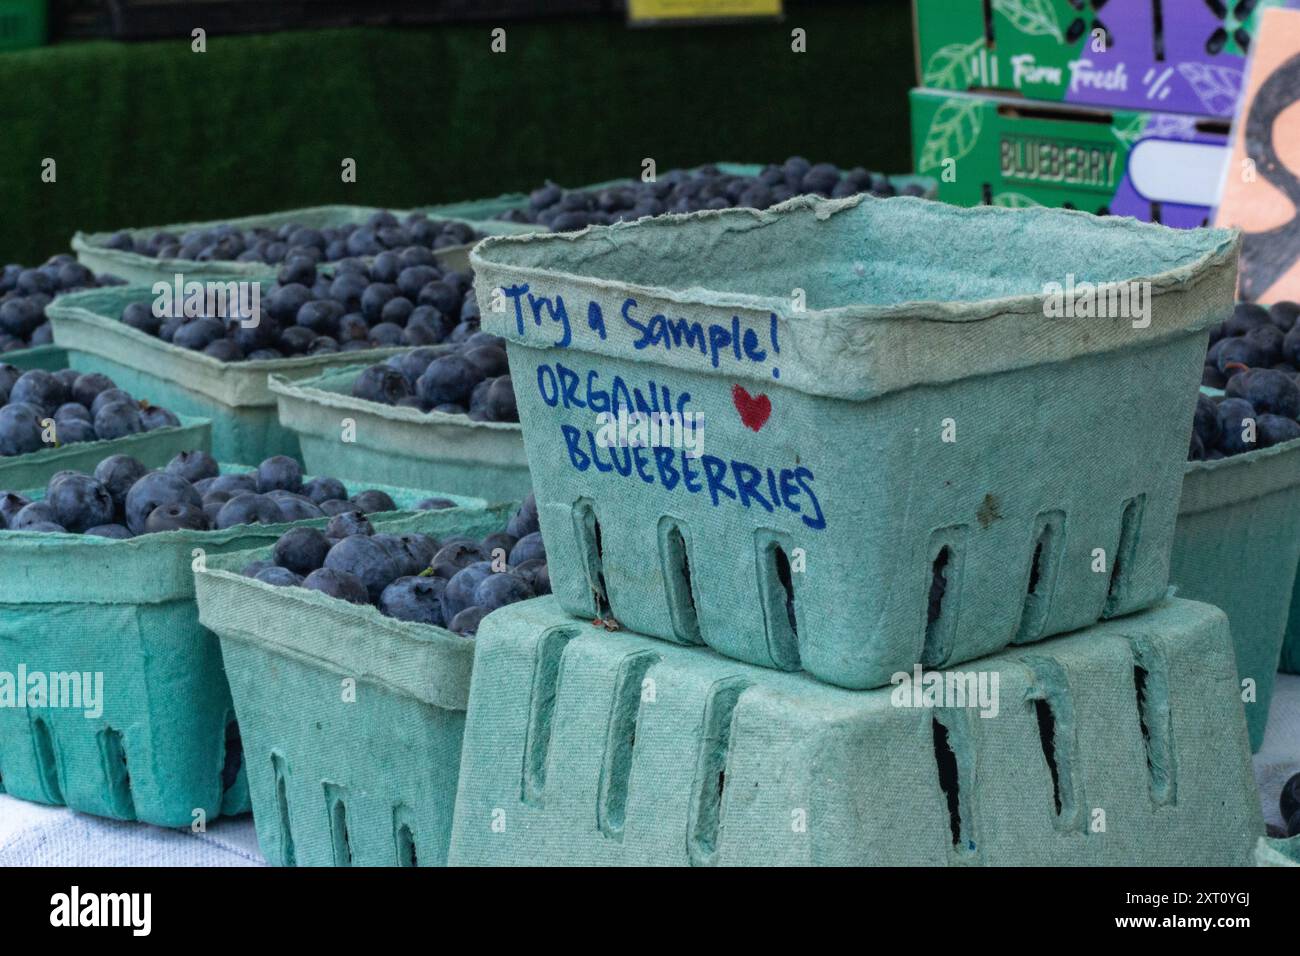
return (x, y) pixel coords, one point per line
(32, 835)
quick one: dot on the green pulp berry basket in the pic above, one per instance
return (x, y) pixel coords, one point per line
(1237, 546)
(906, 455)
(1120, 745)
(343, 435)
(351, 721)
(161, 745)
(234, 395)
(93, 252)
(48, 357)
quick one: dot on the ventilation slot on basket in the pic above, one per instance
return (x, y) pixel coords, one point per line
(711, 772)
(46, 762)
(338, 816)
(233, 758)
(1121, 566)
(282, 806)
(1151, 685)
(112, 756)
(404, 835)
(1043, 565)
(776, 591)
(955, 783)
(546, 680)
(591, 548)
(1054, 715)
(674, 556)
(620, 741)
(943, 590)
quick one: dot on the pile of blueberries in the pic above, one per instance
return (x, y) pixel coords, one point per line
(1289, 804)
(1254, 357)
(707, 187)
(24, 294)
(124, 499)
(452, 583)
(83, 406)
(382, 232)
(470, 378)
(397, 299)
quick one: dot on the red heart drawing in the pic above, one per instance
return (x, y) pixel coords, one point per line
(754, 409)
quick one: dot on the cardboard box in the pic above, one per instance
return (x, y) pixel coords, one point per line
(1179, 56)
(984, 149)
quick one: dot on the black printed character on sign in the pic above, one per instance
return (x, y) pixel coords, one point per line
(1267, 256)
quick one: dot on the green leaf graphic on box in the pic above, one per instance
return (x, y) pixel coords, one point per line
(1217, 87)
(949, 66)
(1014, 201)
(953, 132)
(1131, 131)
(1034, 17)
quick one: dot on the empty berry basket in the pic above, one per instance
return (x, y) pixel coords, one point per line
(904, 458)
(343, 435)
(351, 721)
(94, 252)
(1120, 745)
(234, 395)
(1237, 545)
(154, 737)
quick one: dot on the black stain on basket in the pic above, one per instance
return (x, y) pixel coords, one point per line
(990, 510)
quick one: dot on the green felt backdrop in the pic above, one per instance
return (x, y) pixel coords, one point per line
(148, 133)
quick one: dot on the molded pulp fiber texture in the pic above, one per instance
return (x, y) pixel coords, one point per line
(596, 748)
(49, 357)
(401, 446)
(1237, 546)
(487, 209)
(94, 254)
(233, 394)
(1274, 852)
(79, 604)
(825, 468)
(368, 781)
(154, 448)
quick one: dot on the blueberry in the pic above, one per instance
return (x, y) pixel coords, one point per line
(1267, 390)
(224, 350)
(369, 560)
(1268, 339)
(79, 502)
(283, 303)
(421, 548)
(449, 378)
(40, 389)
(489, 360)
(153, 417)
(280, 577)
(194, 466)
(70, 410)
(529, 548)
(1283, 314)
(297, 507)
(1245, 316)
(413, 363)
(176, 517)
(279, 471)
(454, 557)
(88, 386)
(72, 431)
(374, 502)
(1240, 352)
(117, 473)
(1276, 429)
(296, 340)
(118, 419)
(347, 289)
(20, 429)
(498, 590)
(524, 521)
(117, 531)
(297, 270)
(321, 316)
(301, 550)
(335, 506)
(10, 504)
(36, 513)
(536, 574)
(1289, 801)
(380, 383)
(235, 483)
(348, 523)
(323, 489)
(154, 489)
(499, 403)
(1233, 415)
(337, 584)
(498, 541)
(107, 397)
(462, 586)
(467, 621)
(246, 508)
(435, 504)
(1206, 423)
(9, 374)
(20, 317)
(416, 599)
(253, 568)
